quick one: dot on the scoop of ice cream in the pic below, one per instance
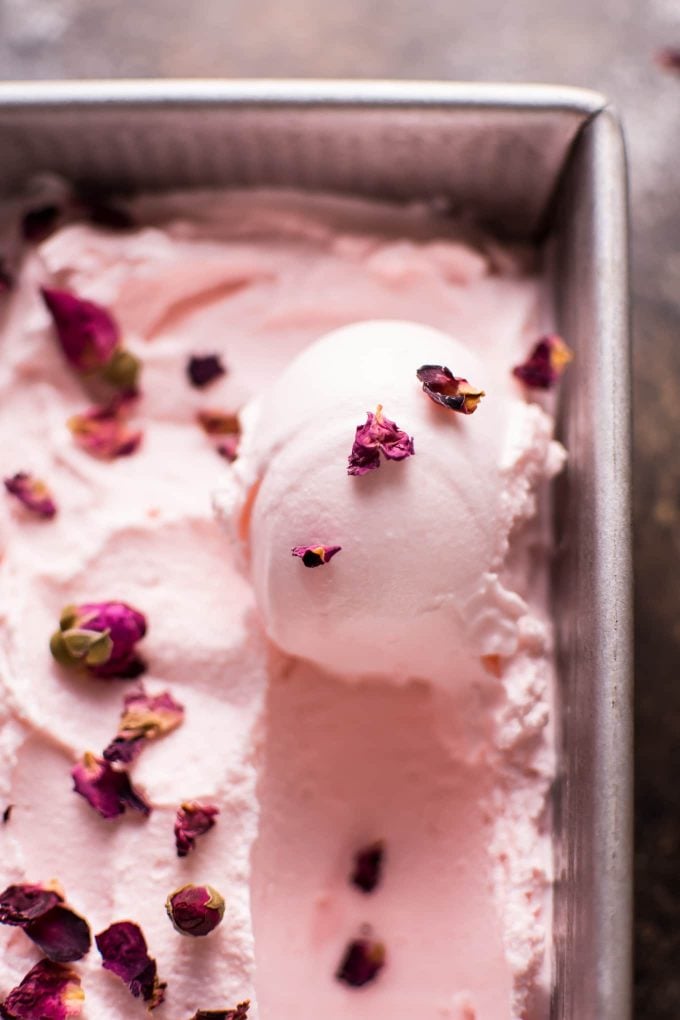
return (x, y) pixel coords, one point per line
(414, 586)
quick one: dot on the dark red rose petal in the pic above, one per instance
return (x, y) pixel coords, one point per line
(448, 390)
(363, 960)
(315, 555)
(32, 493)
(378, 435)
(7, 814)
(21, 904)
(195, 909)
(104, 433)
(106, 789)
(368, 863)
(60, 934)
(49, 991)
(124, 952)
(202, 370)
(669, 58)
(239, 1013)
(193, 820)
(545, 364)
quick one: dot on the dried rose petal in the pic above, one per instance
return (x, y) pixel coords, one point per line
(58, 931)
(218, 423)
(546, 363)
(228, 448)
(101, 638)
(124, 952)
(195, 909)
(239, 1013)
(87, 333)
(33, 493)
(204, 370)
(368, 864)
(363, 960)
(378, 435)
(454, 393)
(21, 904)
(49, 991)
(7, 814)
(193, 820)
(107, 789)
(669, 58)
(103, 432)
(39, 223)
(315, 555)
(145, 717)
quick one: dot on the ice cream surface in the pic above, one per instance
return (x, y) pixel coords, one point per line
(319, 309)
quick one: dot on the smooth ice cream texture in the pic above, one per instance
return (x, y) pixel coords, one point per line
(416, 589)
(320, 309)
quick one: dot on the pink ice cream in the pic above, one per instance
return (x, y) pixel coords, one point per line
(391, 727)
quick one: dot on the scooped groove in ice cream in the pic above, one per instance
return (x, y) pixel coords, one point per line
(416, 589)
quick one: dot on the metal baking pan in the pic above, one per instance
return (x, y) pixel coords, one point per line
(534, 162)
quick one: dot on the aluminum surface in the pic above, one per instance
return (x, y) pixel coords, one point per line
(533, 161)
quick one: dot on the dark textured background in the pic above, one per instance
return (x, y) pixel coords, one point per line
(604, 44)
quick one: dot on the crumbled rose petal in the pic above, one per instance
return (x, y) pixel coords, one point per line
(37, 224)
(50, 991)
(363, 959)
(368, 864)
(145, 717)
(545, 364)
(446, 389)
(33, 493)
(493, 664)
(193, 820)
(87, 333)
(100, 637)
(124, 952)
(239, 1013)
(228, 448)
(202, 370)
(105, 788)
(7, 814)
(195, 909)
(61, 934)
(103, 431)
(218, 423)
(378, 435)
(669, 58)
(315, 555)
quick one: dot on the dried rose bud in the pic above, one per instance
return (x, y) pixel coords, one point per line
(124, 953)
(33, 493)
(446, 389)
(49, 991)
(87, 333)
(37, 224)
(100, 637)
(145, 717)
(107, 789)
(103, 432)
(239, 1013)
(378, 435)
(204, 370)
(368, 864)
(363, 960)
(546, 363)
(315, 555)
(195, 909)
(60, 933)
(193, 820)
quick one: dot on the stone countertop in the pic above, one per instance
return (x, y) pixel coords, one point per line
(608, 45)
